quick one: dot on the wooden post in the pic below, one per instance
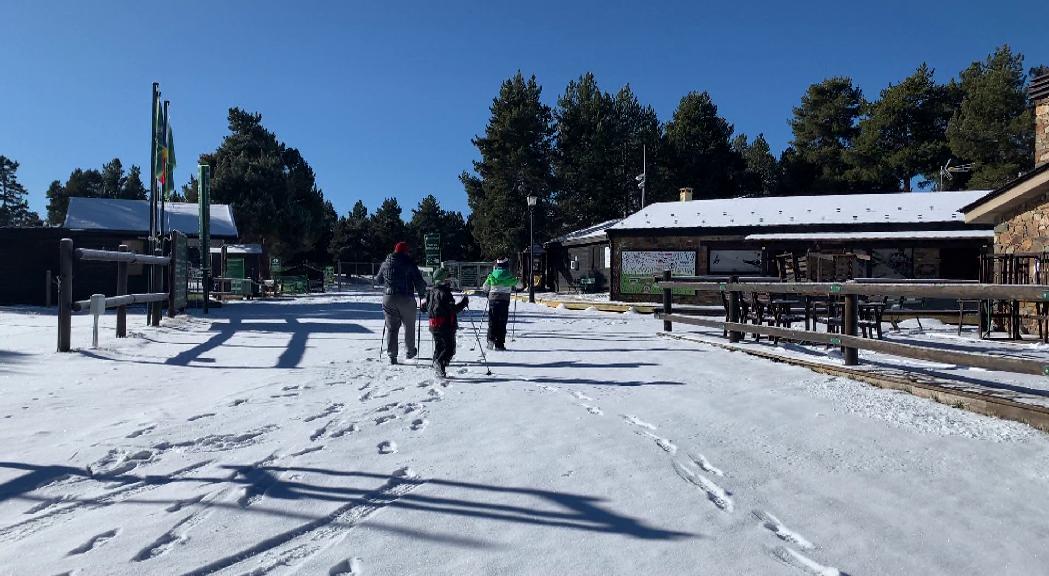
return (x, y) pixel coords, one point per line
(121, 291)
(65, 293)
(668, 297)
(47, 288)
(171, 276)
(850, 320)
(733, 312)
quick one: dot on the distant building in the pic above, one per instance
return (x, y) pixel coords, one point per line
(27, 255)
(580, 259)
(897, 235)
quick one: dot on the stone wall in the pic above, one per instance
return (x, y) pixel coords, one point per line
(1025, 229)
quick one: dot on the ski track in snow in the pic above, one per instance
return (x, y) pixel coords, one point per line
(637, 422)
(705, 465)
(667, 446)
(347, 567)
(304, 541)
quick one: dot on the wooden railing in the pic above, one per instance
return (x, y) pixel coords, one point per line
(122, 257)
(849, 293)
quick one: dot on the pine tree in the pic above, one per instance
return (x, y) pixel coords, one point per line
(14, 208)
(133, 188)
(824, 126)
(584, 160)
(904, 134)
(639, 141)
(271, 188)
(57, 202)
(515, 162)
(352, 241)
(992, 127)
(427, 218)
(699, 151)
(761, 175)
(387, 229)
(113, 179)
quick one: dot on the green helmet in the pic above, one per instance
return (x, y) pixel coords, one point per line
(440, 275)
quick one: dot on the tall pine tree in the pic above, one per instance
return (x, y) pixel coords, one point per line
(515, 162)
(352, 240)
(824, 126)
(387, 229)
(699, 150)
(904, 134)
(14, 207)
(992, 127)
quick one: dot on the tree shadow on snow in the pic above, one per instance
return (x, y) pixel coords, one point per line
(520, 505)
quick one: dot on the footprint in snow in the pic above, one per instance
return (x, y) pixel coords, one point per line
(200, 416)
(95, 541)
(772, 524)
(141, 431)
(592, 409)
(419, 423)
(803, 563)
(387, 447)
(716, 494)
(238, 402)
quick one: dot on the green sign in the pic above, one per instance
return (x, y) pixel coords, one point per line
(329, 277)
(235, 269)
(275, 267)
(179, 245)
(432, 244)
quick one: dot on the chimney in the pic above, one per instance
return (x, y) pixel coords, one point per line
(686, 193)
(1039, 92)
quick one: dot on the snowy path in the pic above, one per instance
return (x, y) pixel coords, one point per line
(269, 439)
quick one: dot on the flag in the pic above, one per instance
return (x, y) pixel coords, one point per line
(169, 168)
(161, 145)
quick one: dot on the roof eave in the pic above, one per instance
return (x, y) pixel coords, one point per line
(990, 208)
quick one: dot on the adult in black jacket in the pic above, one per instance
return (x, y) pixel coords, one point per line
(402, 282)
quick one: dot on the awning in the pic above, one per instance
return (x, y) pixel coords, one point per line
(886, 235)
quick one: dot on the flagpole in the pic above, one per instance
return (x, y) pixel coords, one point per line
(152, 192)
(166, 176)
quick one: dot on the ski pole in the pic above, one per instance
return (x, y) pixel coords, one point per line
(477, 336)
(513, 324)
(383, 341)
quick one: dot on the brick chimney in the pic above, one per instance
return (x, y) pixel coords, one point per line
(1039, 92)
(686, 193)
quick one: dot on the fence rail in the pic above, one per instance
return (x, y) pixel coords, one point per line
(121, 257)
(734, 328)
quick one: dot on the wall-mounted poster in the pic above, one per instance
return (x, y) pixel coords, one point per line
(892, 263)
(639, 268)
(735, 262)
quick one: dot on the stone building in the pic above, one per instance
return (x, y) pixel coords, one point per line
(1019, 210)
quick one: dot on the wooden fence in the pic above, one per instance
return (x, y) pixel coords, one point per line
(849, 292)
(122, 257)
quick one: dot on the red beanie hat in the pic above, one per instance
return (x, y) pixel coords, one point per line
(401, 248)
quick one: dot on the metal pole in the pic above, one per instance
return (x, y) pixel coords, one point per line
(154, 319)
(644, 173)
(531, 254)
(733, 312)
(154, 115)
(668, 297)
(122, 290)
(171, 279)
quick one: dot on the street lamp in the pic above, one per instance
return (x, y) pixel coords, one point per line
(531, 247)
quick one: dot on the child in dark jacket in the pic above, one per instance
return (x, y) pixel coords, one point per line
(444, 319)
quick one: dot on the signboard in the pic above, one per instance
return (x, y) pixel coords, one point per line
(735, 262)
(638, 269)
(432, 244)
(181, 248)
(329, 278)
(275, 267)
(235, 269)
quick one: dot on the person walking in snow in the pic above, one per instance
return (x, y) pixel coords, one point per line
(402, 282)
(444, 318)
(498, 286)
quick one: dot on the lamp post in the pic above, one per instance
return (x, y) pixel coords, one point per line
(531, 247)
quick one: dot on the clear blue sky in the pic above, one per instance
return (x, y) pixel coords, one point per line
(382, 98)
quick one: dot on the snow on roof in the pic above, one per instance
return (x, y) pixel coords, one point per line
(133, 216)
(884, 235)
(595, 232)
(895, 208)
(238, 249)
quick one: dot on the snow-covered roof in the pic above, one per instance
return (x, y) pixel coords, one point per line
(238, 249)
(589, 234)
(842, 209)
(133, 216)
(877, 235)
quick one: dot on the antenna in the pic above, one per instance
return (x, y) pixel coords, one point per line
(643, 176)
(947, 171)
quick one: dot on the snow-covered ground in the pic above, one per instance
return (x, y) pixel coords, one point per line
(269, 438)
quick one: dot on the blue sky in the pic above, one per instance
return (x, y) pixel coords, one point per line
(382, 98)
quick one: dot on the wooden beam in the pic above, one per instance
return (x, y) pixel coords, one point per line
(966, 291)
